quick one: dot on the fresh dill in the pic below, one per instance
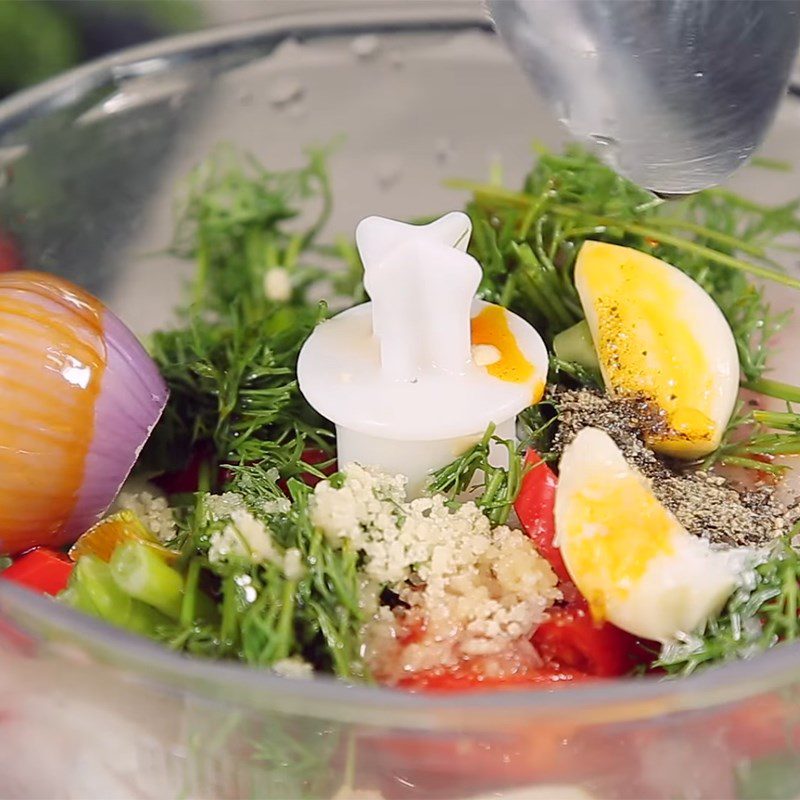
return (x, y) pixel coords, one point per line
(753, 438)
(238, 220)
(265, 614)
(496, 490)
(527, 242)
(756, 617)
(231, 366)
(233, 388)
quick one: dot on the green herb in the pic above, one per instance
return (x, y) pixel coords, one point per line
(233, 385)
(753, 438)
(239, 220)
(231, 368)
(498, 487)
(754, 619)
(536, 427)
(527, 242)
(264, 615)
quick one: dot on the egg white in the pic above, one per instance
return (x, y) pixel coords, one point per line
(676, 591)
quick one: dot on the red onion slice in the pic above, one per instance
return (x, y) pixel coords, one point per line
(79, 397)
(131, 400)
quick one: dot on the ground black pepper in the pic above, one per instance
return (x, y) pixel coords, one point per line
(706, 504)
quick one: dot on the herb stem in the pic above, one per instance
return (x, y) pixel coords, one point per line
(776, 389)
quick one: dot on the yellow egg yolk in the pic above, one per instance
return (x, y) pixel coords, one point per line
(613, 530)
(645, 344)
(490, 327)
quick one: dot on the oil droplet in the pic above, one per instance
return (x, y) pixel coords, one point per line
(366, 46)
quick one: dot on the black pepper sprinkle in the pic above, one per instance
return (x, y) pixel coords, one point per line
(706, 504)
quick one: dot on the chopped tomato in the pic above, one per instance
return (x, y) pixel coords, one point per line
(535, 509)
(570, 639)
(42, 570)
(470, 677)
(186, 480)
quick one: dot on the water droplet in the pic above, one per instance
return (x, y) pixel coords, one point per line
(285, 91)
(389, 171)
(365, 46)
(699, 74)
(443, 147)
(297, 110)
(603, 141)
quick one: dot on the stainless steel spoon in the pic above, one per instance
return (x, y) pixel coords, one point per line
(679, 93)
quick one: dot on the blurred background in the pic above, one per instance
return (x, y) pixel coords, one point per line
(39, 38)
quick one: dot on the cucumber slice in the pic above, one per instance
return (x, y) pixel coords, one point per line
(575, 345)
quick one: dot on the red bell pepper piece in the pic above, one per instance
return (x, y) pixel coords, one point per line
(571, 640)
(10, 256)
(186, 480)
(41, 569)
(535, 509)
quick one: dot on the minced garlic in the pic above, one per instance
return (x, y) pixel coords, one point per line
(471, 589)
(152, 509)
(244, 536)
(295, 668)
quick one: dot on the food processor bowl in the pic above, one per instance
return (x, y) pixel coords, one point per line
(407, 95)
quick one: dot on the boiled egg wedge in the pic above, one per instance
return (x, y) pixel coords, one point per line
(659, 336)
(628, 555)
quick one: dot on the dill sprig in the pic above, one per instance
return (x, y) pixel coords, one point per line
(527, 242)
(237, 220)
(264, 615)
(753, 438)
(233, 386)
(231, 366)
(493, 488)
(755, 618)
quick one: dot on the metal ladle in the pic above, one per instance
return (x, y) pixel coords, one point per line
(679, 93)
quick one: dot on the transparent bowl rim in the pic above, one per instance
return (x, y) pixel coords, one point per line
(326, 697)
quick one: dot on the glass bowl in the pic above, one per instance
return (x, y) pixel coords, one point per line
(416, 92)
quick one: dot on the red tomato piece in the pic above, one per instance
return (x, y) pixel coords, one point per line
(41, 569)
(570, 639)
(186, 480)
(314, 456)
(469, 677)
(535, 509)
(10, 256)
